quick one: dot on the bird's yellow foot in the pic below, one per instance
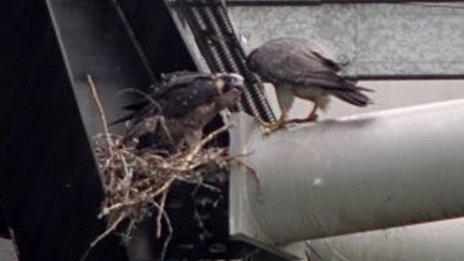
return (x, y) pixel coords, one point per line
(273, 126)
(310, 118)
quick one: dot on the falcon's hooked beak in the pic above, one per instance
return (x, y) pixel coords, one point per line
(230, 86)
(226, 82)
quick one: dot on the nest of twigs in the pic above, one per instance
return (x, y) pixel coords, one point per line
(137, 182)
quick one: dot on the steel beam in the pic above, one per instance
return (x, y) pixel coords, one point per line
(94, 40)
(348, 175)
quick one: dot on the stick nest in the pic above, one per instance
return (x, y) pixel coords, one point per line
(137, 182)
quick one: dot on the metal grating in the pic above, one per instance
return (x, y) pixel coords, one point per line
(219, 44)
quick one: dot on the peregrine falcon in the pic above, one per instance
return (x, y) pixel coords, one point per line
(187, 101)
(299, 67)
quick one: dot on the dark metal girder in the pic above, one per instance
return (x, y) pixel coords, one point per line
(52, 188)
(126, 44)
(94, 40)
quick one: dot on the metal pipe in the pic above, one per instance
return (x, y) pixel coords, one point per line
(426, 242)
(353, 174)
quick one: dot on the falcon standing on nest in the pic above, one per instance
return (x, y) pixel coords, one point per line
(173, 116)
(297, 67)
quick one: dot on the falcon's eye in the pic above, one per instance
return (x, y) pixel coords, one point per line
(227, 88)
(234, 83)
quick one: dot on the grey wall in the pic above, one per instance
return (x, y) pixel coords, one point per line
(378, 40)
(388, 95)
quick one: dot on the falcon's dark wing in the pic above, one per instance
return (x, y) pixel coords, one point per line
(178, 79)
(168, 82)
(180, 100)
(297, 62)
(175, 96)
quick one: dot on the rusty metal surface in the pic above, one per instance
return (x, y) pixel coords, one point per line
(376, 40)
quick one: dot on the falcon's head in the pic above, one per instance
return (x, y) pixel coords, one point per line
(229, 87)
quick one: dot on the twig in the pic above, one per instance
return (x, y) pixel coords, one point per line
(165, 186)
(108, 231)
(117, 206)
(102, 112)
(126, 181)
(251, 172)
(207, 139)
(200, 184)
(138, 181)
(160, 214)
(168, 239)
(162, 122)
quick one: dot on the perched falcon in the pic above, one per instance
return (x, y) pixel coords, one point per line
(299, 67)
(187, 101)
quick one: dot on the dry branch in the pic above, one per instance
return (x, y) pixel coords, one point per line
(138, 182)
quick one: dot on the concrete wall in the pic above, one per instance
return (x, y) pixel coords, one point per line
(375, 40)
(388, 94)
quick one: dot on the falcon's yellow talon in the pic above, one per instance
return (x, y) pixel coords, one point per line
(273, 126)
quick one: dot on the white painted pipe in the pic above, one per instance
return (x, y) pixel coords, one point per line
(424, 242)
(353, 174)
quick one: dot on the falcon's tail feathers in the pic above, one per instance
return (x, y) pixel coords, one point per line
(137, 105)
(120, 120)
(360, 88)
(352, 84)
(353, 97)
(353, 94)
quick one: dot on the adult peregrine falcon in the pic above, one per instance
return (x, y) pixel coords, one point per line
(299, 67)
(187, 101)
